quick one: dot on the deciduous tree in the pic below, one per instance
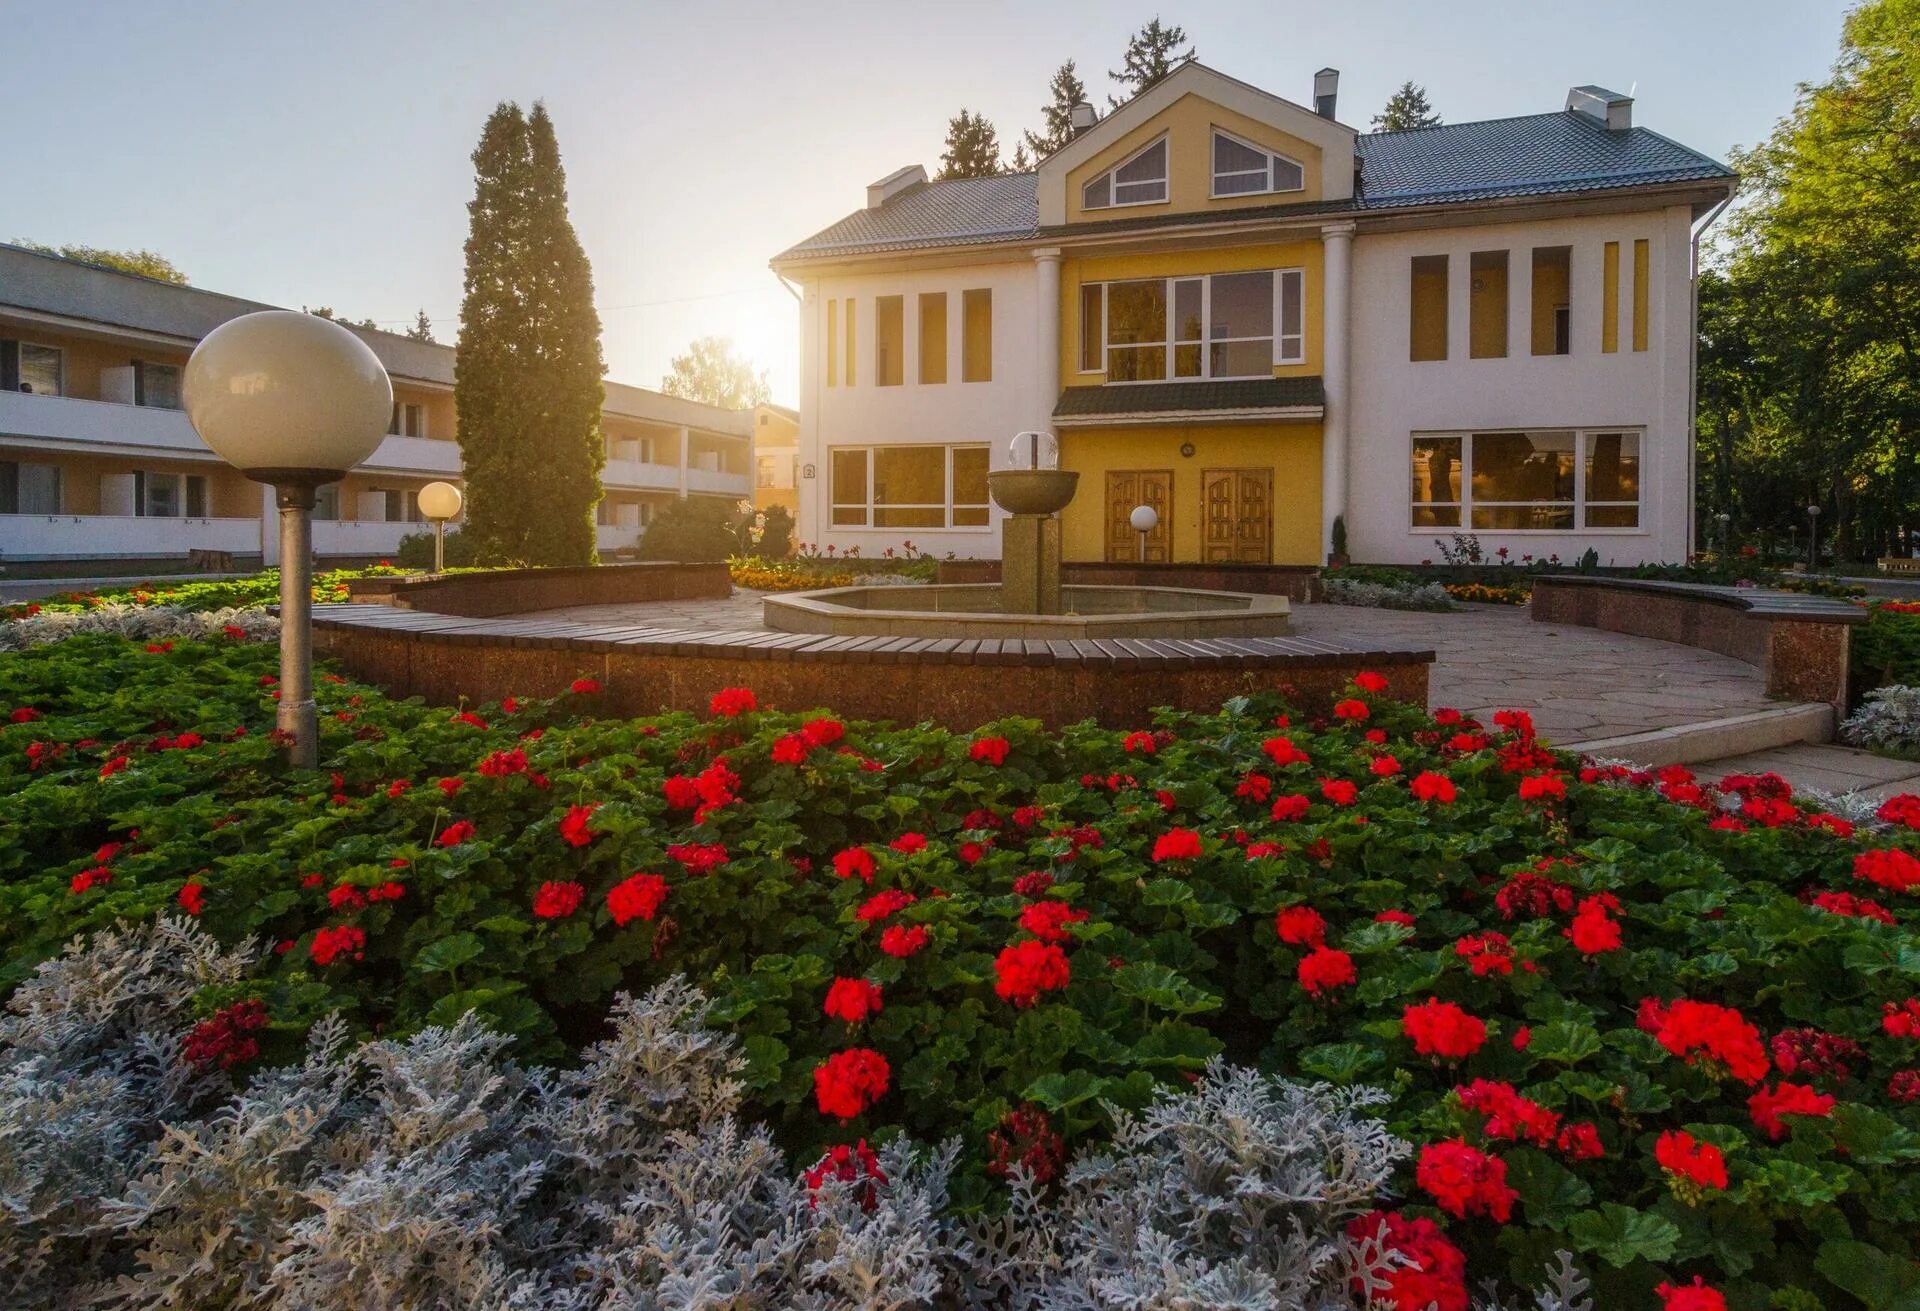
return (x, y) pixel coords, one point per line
(144, 262)
(712, 372)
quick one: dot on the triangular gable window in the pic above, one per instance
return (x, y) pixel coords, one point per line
(1242, 169)
(1141, 179)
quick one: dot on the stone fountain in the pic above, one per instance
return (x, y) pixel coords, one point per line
(1030, 601)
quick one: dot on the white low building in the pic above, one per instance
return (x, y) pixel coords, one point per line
(99, 463)
(1264, 323)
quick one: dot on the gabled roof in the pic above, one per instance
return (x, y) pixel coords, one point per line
(957, 212)
(1559, 153)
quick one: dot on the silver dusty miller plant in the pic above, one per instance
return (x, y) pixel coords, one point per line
(440, 1172)
(140, 623)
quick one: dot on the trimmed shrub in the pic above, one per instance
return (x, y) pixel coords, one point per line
(696, 529)
(416, 550)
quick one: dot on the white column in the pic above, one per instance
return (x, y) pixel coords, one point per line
(1336, 316)
(1046, 263)
(684, 454)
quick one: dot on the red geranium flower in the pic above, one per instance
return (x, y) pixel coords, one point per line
(1368, 681)
(1350, 709)
(455, 833)
(1769, 1104)
(636, 897)
(1324, 968)
(848, 1082)
(1542, 787)
(1441, 1029)
(1300, 926)
(852, 1000)
(1027, 969)
(1435, 1273)
(1464, 1181)
(1696, 1296)
(1903, 809)
(1889, 867)
(1688, 1160)
(989, 750)
(908, 844)
(1429, 786)
(1593, 931)
(1696, 1030)
(1048, 920)
(1291, 807)
(1394, 917)
(849, 1165)
(1509, 1115)
(732, 701)
(585, 686)
(192, 897)
(903, 940)
(332, 943)
(1339, 791)
(854, 861)
(557, 900)
(1283, 752)
(575, 826)
(1177, 844)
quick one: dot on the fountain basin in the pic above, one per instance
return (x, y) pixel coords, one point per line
(1032, 491)
(973, 610)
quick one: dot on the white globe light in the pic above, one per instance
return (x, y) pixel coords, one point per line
(287, 397)
(1144, 518)
(440, 501)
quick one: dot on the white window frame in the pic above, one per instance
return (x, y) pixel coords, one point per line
(868, 507)
(1579, 505)
(1113, 185)
(1214, 175)
(60, 353)
(398, 424)
(59, 485)
(1287, 348)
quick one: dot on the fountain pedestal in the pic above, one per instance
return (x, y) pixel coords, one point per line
(1030, 564)
(1030, 537)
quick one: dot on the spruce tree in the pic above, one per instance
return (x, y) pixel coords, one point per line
(1152, 53)
(973, 147)
(1406, 109)
(527, 373)
(422, 329)
(1067, 90)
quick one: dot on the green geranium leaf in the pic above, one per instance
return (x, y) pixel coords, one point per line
(1620, 1235)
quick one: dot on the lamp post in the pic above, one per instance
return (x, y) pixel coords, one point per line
(1724, 520)
(440, 502)
(293, 400)
(1813, 538)
(1144, 520)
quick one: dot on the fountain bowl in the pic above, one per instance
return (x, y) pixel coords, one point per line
(973, 610)
(1032, 491)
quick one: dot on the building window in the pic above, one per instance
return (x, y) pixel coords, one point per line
(1427, 323)
(852, 351)
(169, 495)
(1641, 273)
(833, 343)
(1552, 300)
(1220, 326)
(976, 335)
(1243, 169)
(326, 502)
(933, 337)
(43, 369)
(763, 471)
(909, 486)
(1141, 179)
(889, 341)
(27, 488)
(409, 420)
(1610, 298)
(1532, 481)
(156, 385)
(1487, 305)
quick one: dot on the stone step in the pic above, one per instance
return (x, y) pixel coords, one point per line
(1714, 739)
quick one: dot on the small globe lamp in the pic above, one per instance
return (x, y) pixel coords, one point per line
(440, 502)
(1144, 520)
(293, 400)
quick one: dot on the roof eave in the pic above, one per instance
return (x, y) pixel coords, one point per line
(1194, 418)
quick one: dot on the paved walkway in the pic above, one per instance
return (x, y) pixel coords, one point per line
(1580, 684)
(1829, 768)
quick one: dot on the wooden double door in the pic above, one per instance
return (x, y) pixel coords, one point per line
(1236, 515)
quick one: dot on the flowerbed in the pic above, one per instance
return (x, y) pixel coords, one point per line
(257, 589)
(1669, 1026)
(1886, 649)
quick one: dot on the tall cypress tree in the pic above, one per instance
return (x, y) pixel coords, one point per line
(527, 374)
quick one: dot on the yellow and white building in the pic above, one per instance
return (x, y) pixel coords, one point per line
(776, 457)
(99, 463)
(1258, 320)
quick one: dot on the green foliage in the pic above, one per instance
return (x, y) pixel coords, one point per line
(1407, 109)
(972, 149)
(1808, 328)
(1339, 536)
(262, 588)
(1176, 960)
(1886, 649)
(527, 377)
(712, 374)
(698, 528)
(776, 533)
(416, 550)
(1152, 53)
(1064, 91)
(144, 262)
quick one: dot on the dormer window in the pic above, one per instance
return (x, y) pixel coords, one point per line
(1141, 179)
(1243, 169)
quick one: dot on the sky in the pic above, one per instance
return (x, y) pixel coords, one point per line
(319, 154)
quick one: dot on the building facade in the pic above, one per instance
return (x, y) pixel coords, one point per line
(99, 463)
(776, 457)
(1259, 321)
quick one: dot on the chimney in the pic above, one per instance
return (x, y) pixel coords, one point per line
(879, 193)
(1610, 109)
(1326, 89)
(1084, 116)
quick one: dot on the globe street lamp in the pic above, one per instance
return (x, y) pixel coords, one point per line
(1813, 538)
(1144, 520)
(440, 502)
(296, 401)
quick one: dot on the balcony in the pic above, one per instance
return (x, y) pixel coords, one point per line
(106, 537)
(613, 537)
(374, 537)
(719, 483)
(419, 455)
(632, 475)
